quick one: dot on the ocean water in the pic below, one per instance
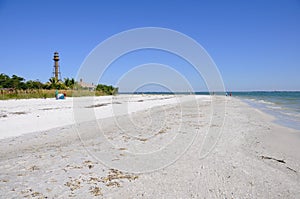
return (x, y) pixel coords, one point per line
(284, 105)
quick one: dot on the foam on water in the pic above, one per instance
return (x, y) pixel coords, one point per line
(285, 106)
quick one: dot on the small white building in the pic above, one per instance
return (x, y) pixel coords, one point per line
(87, 86)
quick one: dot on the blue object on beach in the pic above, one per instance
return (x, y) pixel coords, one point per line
(60, 96)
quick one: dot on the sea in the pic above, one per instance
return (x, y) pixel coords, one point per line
(284, 105)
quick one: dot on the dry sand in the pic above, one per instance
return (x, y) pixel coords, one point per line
(166, 147)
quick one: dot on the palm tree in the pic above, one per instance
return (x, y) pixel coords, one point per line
(53, 82)
(72, 81)
(69, 83)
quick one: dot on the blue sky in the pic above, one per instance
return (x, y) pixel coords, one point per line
(255, 44)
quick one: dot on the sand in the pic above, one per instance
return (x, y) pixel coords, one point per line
(145, 147)
(23, 116)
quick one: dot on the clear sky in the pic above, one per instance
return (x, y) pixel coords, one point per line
(255, 44)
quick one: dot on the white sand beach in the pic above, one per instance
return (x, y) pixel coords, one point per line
(151, 146)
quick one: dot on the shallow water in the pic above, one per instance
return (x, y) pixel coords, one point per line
(285, 106)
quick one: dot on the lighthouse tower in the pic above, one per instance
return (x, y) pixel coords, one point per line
(56, 72)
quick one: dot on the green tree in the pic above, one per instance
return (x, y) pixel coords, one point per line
(53, 83)
(108, 90)
(18, 82)
(4, 81)
(34, 84)
(69, 83)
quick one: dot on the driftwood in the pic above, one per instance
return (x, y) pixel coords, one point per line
(289, 168)
(278, 160)
(270, 158)
(97, 105)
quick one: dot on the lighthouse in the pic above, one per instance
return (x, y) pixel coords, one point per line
(56, 65)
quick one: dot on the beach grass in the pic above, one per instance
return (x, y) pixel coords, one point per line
(43, 93)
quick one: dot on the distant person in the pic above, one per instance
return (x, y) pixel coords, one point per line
(230, 94)
(226, 94)
(56, 94)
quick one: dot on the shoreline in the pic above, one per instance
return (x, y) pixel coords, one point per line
(252, 158)
(283, 105)
(280, 118)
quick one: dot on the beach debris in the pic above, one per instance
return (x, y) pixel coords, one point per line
(18, 113)
(161, 131)
(113, 184)
(142, 139)
(102, 104)
(54, 108)
(73, 184)
(289, 168)
(97, 105)
(122, 149)
(89, 164)
(34, 168)
(47, 109)
(31, 194)
(96, 191)
(126, 138)
(73, 167)
(113, 179)
(52, 180)
(114, 175)
(278, 160)
(94, 180)
(271, 158)
(3, 115)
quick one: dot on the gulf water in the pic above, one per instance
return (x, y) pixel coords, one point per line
(284, 105)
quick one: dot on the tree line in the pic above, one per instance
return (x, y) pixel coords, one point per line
(19, 83)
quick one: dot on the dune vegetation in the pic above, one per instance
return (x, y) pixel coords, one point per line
(16, 87)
